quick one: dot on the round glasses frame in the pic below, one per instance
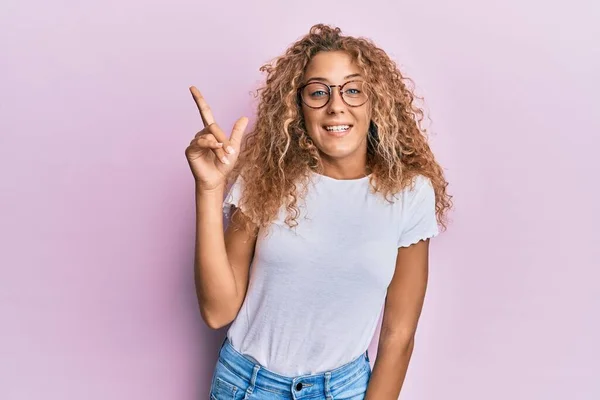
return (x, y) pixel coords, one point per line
(330, 92)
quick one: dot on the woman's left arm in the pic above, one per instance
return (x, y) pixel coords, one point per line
(403, 305)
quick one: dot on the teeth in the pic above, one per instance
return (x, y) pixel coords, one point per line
(338, 128)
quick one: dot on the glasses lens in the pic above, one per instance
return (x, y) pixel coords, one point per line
(354, 93)
(315, 94)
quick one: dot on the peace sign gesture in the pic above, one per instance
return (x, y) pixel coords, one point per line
(211, 155)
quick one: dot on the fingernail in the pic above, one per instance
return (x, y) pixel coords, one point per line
(225, 160)
(230, 150)
(220, 144)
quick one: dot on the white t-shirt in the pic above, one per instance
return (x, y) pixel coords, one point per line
(316, 291)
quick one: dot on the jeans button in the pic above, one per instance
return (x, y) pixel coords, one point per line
(299, 386)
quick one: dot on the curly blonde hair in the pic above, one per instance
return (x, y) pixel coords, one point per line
(278, 153)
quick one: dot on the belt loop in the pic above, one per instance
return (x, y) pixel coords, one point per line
(252, 382)
(328, 395)
(367, 355)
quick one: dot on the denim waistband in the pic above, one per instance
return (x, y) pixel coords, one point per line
(303, 386)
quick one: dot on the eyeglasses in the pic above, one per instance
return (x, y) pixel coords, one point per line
(318, 94)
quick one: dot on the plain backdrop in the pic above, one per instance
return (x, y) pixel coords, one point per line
(97, 296)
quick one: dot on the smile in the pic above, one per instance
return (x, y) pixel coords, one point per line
(337, 130)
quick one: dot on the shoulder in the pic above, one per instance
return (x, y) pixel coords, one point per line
(418, 213)
(418, 186)
(417, 197)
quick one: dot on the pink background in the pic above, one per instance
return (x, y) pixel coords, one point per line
(97, 205)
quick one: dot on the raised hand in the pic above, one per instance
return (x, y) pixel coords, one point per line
(211, 155)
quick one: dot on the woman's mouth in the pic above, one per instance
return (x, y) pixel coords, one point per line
(337, 130)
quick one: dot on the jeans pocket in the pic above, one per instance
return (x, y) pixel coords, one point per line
(226, 384)
(223, 390)
(355, 388)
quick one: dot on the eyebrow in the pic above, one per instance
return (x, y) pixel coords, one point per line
(318, 78)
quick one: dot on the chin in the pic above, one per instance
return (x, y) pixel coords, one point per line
(338, 145)
(337, 151)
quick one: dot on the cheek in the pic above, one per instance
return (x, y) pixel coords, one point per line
(364, 116)
(311, 119)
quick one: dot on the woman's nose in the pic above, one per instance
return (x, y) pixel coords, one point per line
(336, 103)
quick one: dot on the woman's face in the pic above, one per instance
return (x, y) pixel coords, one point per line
(338, 130)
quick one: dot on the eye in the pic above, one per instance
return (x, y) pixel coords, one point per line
(318, 93)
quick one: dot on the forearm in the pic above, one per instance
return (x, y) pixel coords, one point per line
(215, 282)
(389, 371)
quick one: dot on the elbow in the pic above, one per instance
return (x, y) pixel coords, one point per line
(218, 312)
(215, 320)
(216, 324)
(401, 340)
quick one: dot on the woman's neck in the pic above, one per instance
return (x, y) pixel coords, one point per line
(345, 170)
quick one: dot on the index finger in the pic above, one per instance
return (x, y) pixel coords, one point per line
(205, 112)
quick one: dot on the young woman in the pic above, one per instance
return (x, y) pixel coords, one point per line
(335, 196)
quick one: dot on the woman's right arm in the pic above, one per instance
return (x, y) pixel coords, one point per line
(222, 260)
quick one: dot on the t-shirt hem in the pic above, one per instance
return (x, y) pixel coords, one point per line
(416, 239)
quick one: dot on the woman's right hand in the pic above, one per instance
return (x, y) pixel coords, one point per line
(211, 155)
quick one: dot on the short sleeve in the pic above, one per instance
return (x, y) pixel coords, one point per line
(233, 197)
(419, 220)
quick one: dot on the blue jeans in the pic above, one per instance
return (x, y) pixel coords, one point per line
(238, 377)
